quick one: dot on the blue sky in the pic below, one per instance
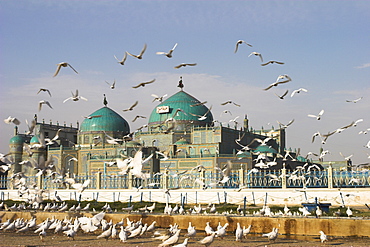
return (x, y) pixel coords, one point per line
(324, 44)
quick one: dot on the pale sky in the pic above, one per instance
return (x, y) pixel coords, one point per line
(324, 45)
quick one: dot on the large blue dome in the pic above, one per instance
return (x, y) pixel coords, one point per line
(188, 104)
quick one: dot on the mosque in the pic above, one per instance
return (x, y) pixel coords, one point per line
(181, 133)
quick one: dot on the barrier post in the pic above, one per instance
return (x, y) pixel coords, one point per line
(241, 176)
(98, 180)
(283, 178)
(330, 176)
(245, 205)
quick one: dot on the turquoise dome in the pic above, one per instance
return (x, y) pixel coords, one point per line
(183, 101)
(16, 140)
(182, 141)
(302, 159)
(34, 140)
(105, 120)
(132, 144)
(265, 149)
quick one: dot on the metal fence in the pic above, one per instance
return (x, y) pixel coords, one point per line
(260, 179)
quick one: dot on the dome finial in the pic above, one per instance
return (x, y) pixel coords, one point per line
(105, 102)
(181, 85)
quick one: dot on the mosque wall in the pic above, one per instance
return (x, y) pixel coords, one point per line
(67, 135)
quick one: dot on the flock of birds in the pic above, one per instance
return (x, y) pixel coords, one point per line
(281, 79)
(103, 229)
(133, 165)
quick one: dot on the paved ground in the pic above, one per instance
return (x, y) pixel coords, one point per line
(82, 239)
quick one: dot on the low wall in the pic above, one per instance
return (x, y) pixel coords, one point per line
(350, 197)
(294, 226)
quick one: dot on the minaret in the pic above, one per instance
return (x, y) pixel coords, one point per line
(181, 85)
(16, 150)
(105, 102)
(246, 122)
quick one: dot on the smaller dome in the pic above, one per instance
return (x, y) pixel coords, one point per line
(105, 119)
(265, 149)
(302, 159)
(182, 141)
(133, 144)
(34, 140)
(16, 140)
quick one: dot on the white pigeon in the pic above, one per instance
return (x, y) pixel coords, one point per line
(207, 241)
(122, 165)
(238, 232)
(234, 120)
(349, 212)
(256, 54)
(225, 172)
(184, 65)
(272, 62)
(298, 91)
(183, 244)
(213, 209)
(246, 231)
(135, 232)
(113, 85)
(106, 234)
(272, 236)
(75, 97)
(230, 102)
(71, 233)
(304, 211)
(201, 117)
(354, 101)
(323, 237)
(63, 64)
(96, 219)
(114, 232)
(165, 157)
(52, 140)
(13, 120)
(44, 102)
(284, 126)
(158, 98)
(280, 80)
(208, 229)
(318, 117)
(172, 240)
(136, 165)
(283, 95)
(42, 235)
(239, 42)
(122, 62)
(131, 107)
(86, 208)
(191, 231)
(140, 56)
(80, 187)
(44, 90)
(221, 232)
(112, 140)
(31, 126)
(26, 228)
(10, 227)
(151, 227)
(86, 224)
(122, 235)
(167, 54)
